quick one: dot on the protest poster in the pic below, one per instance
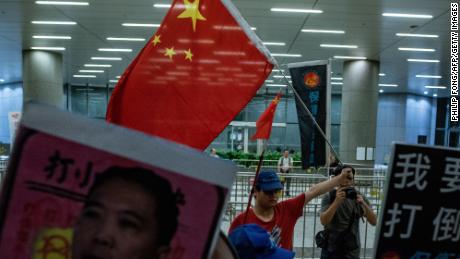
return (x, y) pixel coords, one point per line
(420, 216)
(57, 156)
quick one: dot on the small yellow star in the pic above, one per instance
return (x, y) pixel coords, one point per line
(170, 52)
(188, 54)
(192, 11)
(156, 40)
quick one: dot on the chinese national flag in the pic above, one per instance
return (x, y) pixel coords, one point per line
(196, 73)
(264, 123)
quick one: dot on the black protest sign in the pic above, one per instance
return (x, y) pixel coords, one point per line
(420, 217)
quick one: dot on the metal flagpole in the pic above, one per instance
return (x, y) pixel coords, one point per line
(259, 165)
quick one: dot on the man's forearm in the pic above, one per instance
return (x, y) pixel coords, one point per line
(369, 214)
(321, 188)
(326, 217)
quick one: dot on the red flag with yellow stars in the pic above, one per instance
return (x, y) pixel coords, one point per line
(264, 123)
(202, 66)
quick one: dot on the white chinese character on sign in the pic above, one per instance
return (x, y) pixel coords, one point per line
(447, 225)
(451, 175)
(396, 219)
(412, 169)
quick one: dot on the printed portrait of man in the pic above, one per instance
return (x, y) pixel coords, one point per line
(128, 213)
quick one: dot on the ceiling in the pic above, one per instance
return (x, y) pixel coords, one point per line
(362, 21)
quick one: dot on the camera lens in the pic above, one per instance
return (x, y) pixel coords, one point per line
(351, 193)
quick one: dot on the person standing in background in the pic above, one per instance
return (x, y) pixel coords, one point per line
(285, 165)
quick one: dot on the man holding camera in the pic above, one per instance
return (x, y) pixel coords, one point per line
(340, 213)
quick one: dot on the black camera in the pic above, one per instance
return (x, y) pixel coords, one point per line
(350, 193)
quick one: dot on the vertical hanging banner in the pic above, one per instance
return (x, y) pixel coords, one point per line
(311, 81)
(198, 71)
(13, 120)
(420, 215)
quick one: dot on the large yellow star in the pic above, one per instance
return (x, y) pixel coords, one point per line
(188, 54)
(156, 40)
(192, 11)
(170, 52)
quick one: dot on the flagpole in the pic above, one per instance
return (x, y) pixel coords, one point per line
(259, 165)
(308, 112)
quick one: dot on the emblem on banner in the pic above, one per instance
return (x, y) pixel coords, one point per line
(311, 79)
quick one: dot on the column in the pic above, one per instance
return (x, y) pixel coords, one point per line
(43, 77)
(359, 111)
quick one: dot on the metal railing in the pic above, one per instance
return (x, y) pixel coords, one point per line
(369, 182)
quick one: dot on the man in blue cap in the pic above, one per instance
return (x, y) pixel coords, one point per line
(280, 218)
(253, 242)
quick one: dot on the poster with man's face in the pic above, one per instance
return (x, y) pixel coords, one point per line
(78, 188)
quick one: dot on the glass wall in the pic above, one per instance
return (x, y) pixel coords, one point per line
(91, 101)
(10, 101)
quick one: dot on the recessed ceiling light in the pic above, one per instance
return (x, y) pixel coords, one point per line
(281, 76)
(125, 39)
(286, 55)
(382, 74)
(54, 22)
(417, 49)
(87, 76)
(435, 87)
(407, 15)
(90, 71)
(423, 60)
(274, 43)
(417, 35)
(106, 58)
(292, 10)
(389, 85)
(199, 41)
(141, 24)
(336, 83)
(435, 95)
(426, 92)
(52, 37)
(428, 76)
(115, 50)
(118, 77)
(2, 80)
(349, 57)
(253, 28)
(381, 91)
(323, 31)
(98, 65)
(113, 81)
(61, 3)
(275, 85)
(162, 5)
(48, 48)
(336, 78)
(229, 53)
(338, 46)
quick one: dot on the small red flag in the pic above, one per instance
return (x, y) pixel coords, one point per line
(264, 123)
(202, 66)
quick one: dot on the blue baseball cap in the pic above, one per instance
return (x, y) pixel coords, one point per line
(268, 181)
(252, 241)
